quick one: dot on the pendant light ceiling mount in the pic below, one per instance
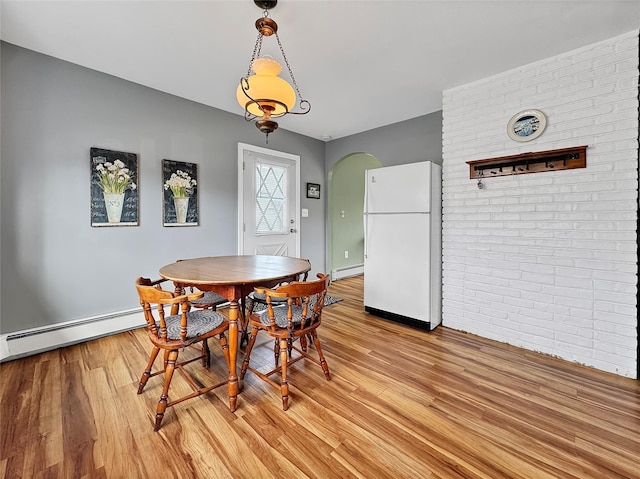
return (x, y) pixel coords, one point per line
(264, 94)
(266, 4)
(265, 25)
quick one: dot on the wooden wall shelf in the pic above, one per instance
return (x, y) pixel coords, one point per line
(551, 160)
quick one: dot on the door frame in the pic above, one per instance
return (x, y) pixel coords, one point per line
(242, 147)
(338, 174)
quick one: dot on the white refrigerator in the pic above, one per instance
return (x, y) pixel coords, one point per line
(403, 243)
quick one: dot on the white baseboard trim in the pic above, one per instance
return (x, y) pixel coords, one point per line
(341, 273)
(36, 340)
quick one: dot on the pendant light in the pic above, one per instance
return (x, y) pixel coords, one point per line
(264, 95)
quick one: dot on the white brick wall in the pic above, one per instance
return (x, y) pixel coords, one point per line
(547, 261)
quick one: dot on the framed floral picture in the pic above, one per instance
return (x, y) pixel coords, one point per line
(180, 193)
(114, 191)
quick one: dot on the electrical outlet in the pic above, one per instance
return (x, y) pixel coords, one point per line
(346, 254)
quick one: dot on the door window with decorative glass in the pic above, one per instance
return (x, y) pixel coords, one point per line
(271, 198)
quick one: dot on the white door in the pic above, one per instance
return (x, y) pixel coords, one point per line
(268, 197)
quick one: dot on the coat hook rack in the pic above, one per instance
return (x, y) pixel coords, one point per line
(540, 161)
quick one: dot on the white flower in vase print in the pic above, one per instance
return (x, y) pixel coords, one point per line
(114, 177)
(180, 184)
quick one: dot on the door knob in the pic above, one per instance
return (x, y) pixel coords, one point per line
(292, 230)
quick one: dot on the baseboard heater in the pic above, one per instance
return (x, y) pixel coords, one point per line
(347, 271)
(37, 340)
(398, 318)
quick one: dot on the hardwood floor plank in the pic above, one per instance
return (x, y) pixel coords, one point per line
(117, 439)
(217, 443)
(45, 418)
(78, 420)
(17, 385)
(402, 403)
(261, 448)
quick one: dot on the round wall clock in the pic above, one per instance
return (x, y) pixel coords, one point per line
(526, 125)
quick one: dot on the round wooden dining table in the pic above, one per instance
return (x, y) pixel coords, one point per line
(234, 277)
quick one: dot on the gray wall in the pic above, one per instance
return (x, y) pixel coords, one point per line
(54, 266)
(408, 141)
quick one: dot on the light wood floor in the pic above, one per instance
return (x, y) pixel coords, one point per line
(402, 403)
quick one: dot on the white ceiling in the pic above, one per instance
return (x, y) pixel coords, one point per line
(361, 64)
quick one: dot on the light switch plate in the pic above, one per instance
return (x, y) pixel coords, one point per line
(305, 213)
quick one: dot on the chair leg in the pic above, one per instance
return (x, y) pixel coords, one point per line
(162, 404)
(206, 354)
(276, 348)
(284, 384)
(276, 352)
(244, 323)
(247, 353)
(166, 359)
(323, 362)
(290, 345)
(225, 347)
(147, 372)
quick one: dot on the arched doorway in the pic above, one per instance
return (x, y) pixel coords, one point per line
(345, 203)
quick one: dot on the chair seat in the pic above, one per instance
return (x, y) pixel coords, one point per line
(280, 316)
(198, 323)
(209, 298)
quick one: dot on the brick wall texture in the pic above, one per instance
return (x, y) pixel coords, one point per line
(548, 261)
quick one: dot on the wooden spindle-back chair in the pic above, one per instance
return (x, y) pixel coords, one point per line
(295, 321)
(174, 332)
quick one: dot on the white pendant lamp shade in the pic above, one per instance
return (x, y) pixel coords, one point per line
(266, 88)
(263, 95)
